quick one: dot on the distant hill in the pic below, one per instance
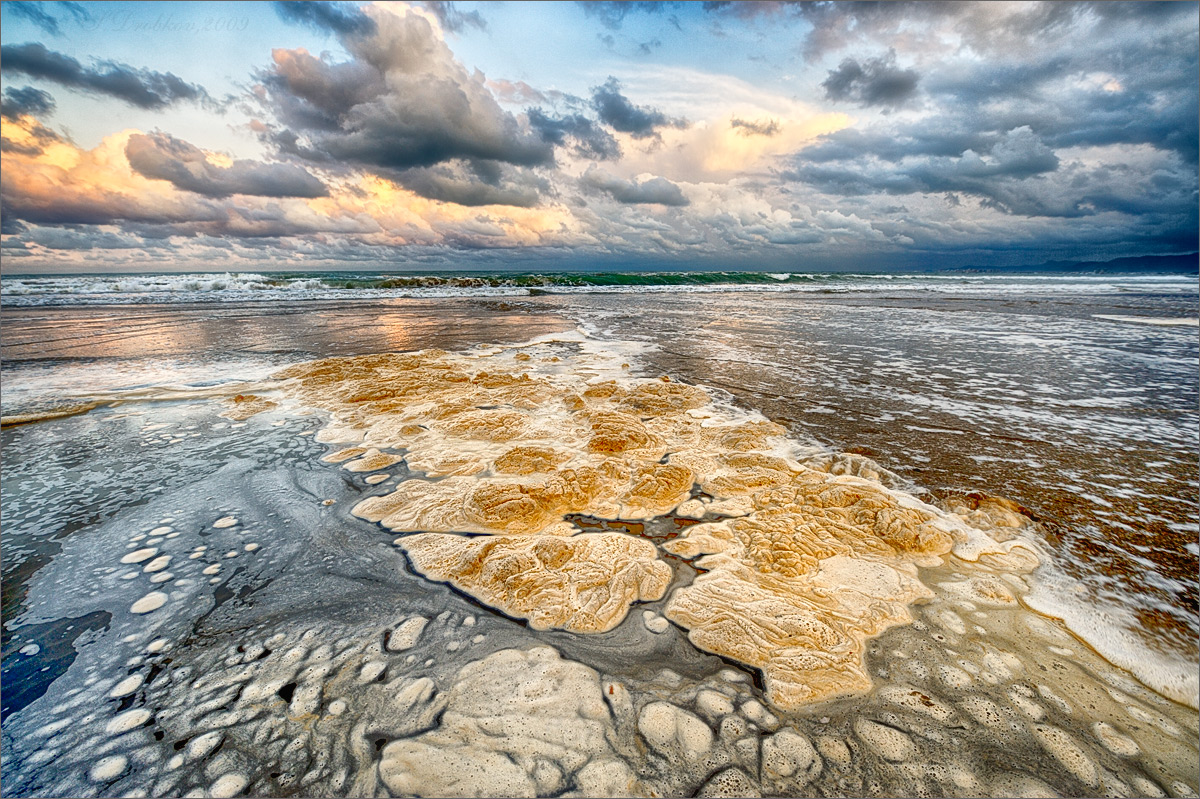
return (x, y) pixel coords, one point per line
(1139, 263)
(1186, 264)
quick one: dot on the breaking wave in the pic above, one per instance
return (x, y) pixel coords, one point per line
(252, 286)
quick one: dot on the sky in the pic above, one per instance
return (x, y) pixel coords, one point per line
(251, 136)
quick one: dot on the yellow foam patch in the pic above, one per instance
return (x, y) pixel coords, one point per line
(801, 562)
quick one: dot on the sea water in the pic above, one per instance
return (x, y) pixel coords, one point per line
(190, 602)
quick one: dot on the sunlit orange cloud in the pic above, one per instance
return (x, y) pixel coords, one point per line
(64, 183)
(407, 218)
(713, 146)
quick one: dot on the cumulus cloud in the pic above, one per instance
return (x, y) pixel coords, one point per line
(160, 156)
(616, 111)
(1021, 176)
(876, 81)
(589, 139)
(475, 183)
(652, 190)
(1017, 154)
(402, 102)
(143, 88)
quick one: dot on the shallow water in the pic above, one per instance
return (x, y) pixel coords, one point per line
(277, 663)
(1091, 424)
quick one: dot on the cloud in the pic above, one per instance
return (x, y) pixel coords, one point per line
(26, 101)
(652, 190)
(1020, 175)
(160, 156)
(25, 135)
(358, 217)
(612, 14)
(766, 127)
(475, 183)
(143, 88)
(37, 14)
(341, 18)
(516, 92)
(590, 140)
(618, 112)
(401, 102)
(712, 147)
(68, 239)
(876, 81)
(452, 19)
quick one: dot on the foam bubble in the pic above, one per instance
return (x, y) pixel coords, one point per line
(150, 602)
(140, 555)
(127, 721)
(108, 768)
(127, 686)
(158, 564)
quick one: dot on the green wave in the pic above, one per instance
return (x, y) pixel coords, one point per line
(569, 280)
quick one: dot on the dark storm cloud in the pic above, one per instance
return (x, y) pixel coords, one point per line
(654, 190)
(765, 127)
(475, 183)
(1051, 112)
(143, 88)
(618, 112)
(1153, 97)
(876, 81)
(339, 18)
(38, 15)
(26, 101)
(160, 156)
(402, 103)
(590, 140)
(1017, 155)
(68, 239)
(1020, 176)
(454, 20)
(891, 143)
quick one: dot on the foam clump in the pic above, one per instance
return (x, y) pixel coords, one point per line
(583, 583)
(796, 588)
(517, 723)
(243, 406)
(670, 729)
(802, 558)
(405, 636)
(787, 753)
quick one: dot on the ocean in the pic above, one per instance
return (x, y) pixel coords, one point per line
(850, 534)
